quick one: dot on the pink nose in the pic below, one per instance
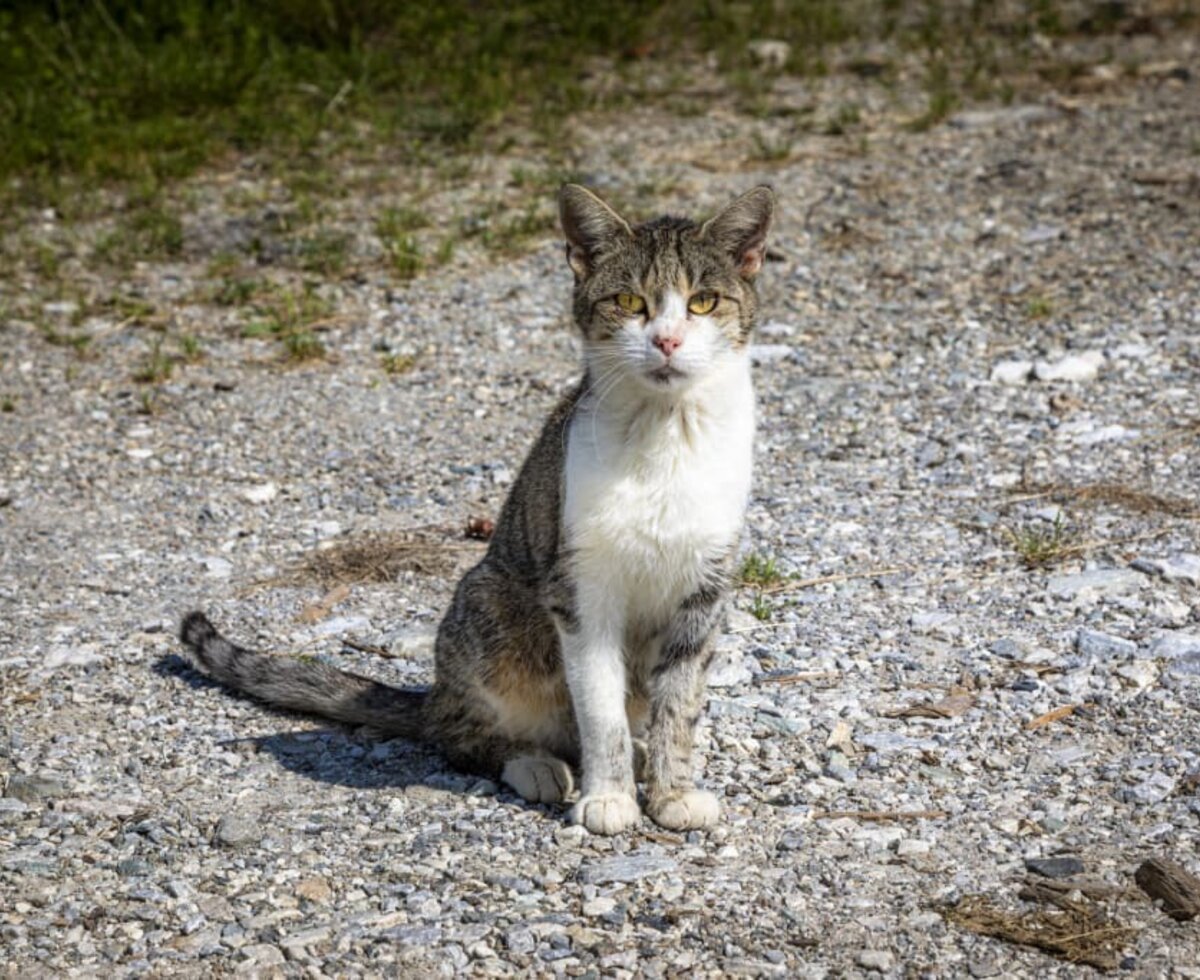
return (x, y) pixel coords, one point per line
(668, 344)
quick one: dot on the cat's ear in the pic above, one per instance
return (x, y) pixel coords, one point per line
(741, 229)
(589, 224)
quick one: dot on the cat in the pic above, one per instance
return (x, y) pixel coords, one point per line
(593, 613)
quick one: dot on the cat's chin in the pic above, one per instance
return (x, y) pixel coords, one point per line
(667, 378)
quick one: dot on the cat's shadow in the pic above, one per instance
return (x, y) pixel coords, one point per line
(339, 756)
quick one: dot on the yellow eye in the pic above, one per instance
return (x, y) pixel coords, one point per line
(631, 303)
(702, 303)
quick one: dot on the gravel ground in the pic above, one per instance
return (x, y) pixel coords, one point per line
(956, 323)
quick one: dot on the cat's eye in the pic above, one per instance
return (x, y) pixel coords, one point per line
(631, 303)
(702, 303)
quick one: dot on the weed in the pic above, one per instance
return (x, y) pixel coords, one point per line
(235, 291)
(303, 345)
(843, 120)
(1037, 546)
(324, 252)
(190, 347)
(8, 404)
(157, 366)
(395, 221)
(397, 363)
(445, 251)
(760, 608)
(404, 255)
(149, 232)
(771, 149)
(57, 338)
(1039, 308)
(760, 571)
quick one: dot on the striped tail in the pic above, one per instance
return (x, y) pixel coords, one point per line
(305, 685)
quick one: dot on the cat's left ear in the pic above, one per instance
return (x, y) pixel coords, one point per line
(741, 229)
(589, 224)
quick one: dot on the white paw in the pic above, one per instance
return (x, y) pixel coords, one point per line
(689, 810)
(539, 778)
(606, 813)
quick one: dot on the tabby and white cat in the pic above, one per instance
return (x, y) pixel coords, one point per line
(592, 616)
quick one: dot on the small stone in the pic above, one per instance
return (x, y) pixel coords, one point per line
(876, 959)
(264, 493)
(342, 624)
(600, 905)
(217, 567)
(627, 868)
(910, 847)
(1178, 568)
(259, 956)
(411, 642)
(984, 968)
(570, 836)
(1012, 373)
(1102, 646)
(730, 666)
(770, 353)
(238, 830)
(1054, 867)
(1073, 367)
(1098, 582)
(1174, 645)
(315, 889)
(1153, 790)
(34, 787)
(769, 53)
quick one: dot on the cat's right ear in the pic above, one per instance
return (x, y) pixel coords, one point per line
(588, 224)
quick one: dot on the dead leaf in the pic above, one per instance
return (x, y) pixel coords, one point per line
(1050, 716)
(840, 738)
(316, 611)
(958, 701)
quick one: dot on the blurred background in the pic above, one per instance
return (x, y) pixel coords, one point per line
(340, 136)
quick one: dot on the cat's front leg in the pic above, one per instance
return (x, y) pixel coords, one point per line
(676, 695)
(595, 669)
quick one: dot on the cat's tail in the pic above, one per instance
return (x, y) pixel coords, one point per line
(305, 685)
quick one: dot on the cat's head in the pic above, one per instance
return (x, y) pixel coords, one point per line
(668, 301)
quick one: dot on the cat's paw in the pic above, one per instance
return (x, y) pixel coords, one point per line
(539, 778)
(688, 810)
(606, 813)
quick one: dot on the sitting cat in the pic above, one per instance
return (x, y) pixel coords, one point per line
(592, 615)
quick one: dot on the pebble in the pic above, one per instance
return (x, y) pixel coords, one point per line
(1012, 373)
(628, 868)
(35, 787)
(876, 959)
(264, 493)
(1098, 582)
(1175, 645)
(1149, 791)
(1054, 867)
(1178, 568)
(411, 642)
(1073, 367)
(1103, 646)
(238, 830)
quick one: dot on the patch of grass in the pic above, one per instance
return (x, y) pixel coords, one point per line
(761, 571)
(404, 255)
(771, 149)
(395, 364)
(760, 608)
(8, 404)
(190, 347)
(513, 235)
(292, 316)
(324, 252)
(1038, 547)
(1039, 307)
(78, 341)
(395, 221)
(846, 118)
(236, 290)
(157, 366)
(148, 232)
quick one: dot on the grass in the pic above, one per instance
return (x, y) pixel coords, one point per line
(395, 364)
(761, 573)
(1039, 307)
(142, 94)
(1038, 546)
(292, 316)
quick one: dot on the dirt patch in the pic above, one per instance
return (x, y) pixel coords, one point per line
(1114, 494)
(435, 551)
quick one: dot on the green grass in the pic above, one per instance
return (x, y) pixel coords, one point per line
(292, 317)
(1039, 546)
(760, 571)
(396, 364)
(142, 94)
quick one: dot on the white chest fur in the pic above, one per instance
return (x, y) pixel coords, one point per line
(655, 490)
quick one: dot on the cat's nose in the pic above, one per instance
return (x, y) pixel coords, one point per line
(667, 344)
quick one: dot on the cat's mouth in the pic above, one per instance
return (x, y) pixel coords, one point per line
(666, 374)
